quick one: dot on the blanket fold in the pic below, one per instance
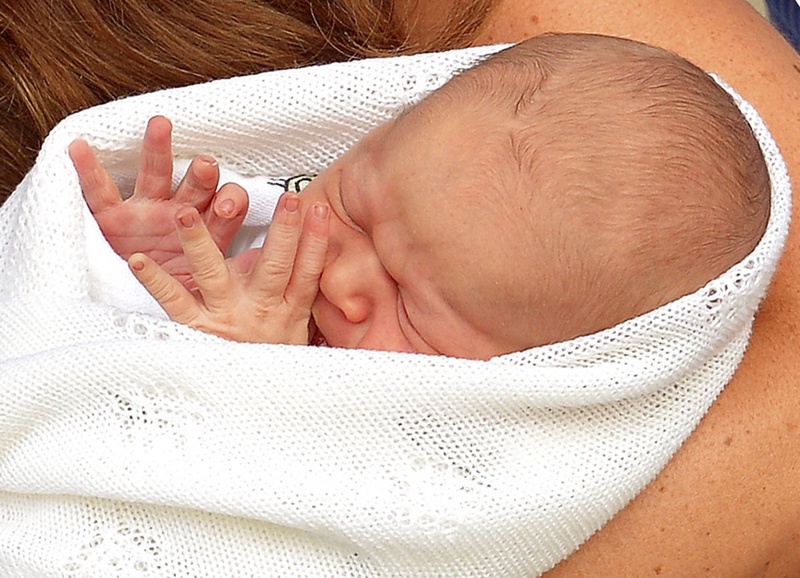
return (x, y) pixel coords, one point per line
(132, 446)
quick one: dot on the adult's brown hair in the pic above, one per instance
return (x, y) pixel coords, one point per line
(59, 57)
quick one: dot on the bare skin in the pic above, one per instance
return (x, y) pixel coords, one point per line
(269, 302)
(154, 202)
(174, 244)
(728, 504)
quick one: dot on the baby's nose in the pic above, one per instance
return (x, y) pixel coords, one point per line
(344, 288)
(355, 281)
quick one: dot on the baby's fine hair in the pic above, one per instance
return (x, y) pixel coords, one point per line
(652, 177)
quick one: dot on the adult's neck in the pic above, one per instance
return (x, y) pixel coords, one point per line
(422, 19)
(507, 20)
(513, 21)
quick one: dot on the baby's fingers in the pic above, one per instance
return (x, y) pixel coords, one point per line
(227, 214)
(154, 178)
(98, 189)
(174, 298)
(199, 184)
(206, 262)
(304, 284)
(273, 269)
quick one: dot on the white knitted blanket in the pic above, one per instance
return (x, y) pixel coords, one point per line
(130, 446)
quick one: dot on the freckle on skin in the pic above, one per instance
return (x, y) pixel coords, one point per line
(535, 20)
(728, 440)
(657, 570)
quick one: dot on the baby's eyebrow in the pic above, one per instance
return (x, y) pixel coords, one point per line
(404, 110)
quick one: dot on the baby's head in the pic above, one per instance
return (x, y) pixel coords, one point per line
(556, 189)
(628, 178)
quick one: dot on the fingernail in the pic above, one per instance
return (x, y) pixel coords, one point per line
(292, 204)
(226, 208)
(208, 160)
(321, 211)
(136, 264)
(186, 220)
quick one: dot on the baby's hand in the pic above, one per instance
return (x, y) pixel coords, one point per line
(145, 223)
(269, 303)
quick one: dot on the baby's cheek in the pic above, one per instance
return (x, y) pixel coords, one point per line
(384, 333)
